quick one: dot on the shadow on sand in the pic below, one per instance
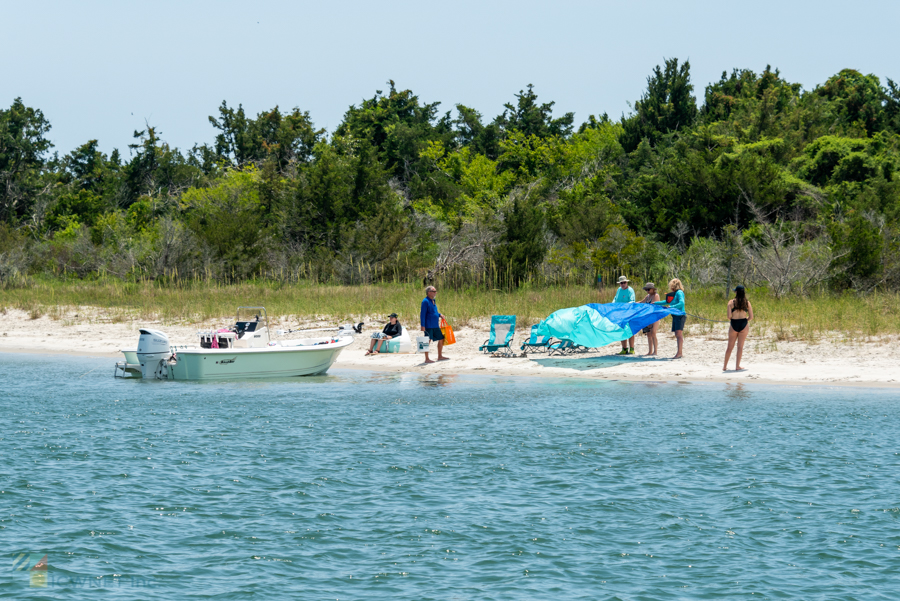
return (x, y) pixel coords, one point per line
(588, 363)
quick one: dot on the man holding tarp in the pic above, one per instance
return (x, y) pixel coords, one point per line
(625, 294)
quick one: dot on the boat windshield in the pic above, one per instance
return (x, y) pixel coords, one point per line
(251, 319)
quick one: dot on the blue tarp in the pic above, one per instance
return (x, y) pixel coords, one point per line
(595, 325)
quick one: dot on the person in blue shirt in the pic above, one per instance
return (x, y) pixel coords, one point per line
(625, 294)
(677, 302)
(430, 320)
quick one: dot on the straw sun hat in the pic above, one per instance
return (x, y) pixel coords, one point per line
(622, 278)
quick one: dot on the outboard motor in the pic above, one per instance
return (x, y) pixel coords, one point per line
(153, 347)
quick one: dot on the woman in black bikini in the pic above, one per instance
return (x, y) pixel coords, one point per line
(739, 313)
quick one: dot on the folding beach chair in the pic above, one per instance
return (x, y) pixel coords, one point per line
(566, 347)
(562, 347)
(503, 327)
(535, 342)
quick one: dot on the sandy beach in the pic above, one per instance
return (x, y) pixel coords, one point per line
(834, 361)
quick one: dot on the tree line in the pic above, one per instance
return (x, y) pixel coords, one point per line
(759, 181)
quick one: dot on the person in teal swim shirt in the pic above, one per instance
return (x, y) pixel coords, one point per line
(677, 302)
(625, 294)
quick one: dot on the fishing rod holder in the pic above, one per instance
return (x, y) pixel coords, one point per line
(347, 328)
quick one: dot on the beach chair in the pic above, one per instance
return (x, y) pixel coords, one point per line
(536, 343)
(566, 347)
(503, 327)
(561, 347)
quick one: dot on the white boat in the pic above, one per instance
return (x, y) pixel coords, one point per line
(243, 351)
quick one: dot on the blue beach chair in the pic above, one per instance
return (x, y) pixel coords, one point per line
(503, 327)
(566, 347)
(536, 343)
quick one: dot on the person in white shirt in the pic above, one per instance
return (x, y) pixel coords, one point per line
(625, 294)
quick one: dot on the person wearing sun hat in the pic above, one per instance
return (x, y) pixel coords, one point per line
(625, 294)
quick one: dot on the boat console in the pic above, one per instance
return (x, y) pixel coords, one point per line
(242, 327)
(243, 334)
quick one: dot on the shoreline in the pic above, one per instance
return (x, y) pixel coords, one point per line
(420, 369)
(831, 362)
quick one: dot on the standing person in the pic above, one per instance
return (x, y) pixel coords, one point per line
(392, 329)
(430, 320)
(677, 302)
(740, 313)
(625, 294)
(650, 330)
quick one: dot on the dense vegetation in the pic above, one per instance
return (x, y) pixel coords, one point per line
(760, 181)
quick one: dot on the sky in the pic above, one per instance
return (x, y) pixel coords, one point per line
(103, 69)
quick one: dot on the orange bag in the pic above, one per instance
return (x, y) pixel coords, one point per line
(447, 331)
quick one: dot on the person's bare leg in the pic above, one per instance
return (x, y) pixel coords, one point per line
(740, 346)
(371, 346)
(679, 336)
(441, 356)
(427, 360)
(732, 337)
(379, 345)
(631, 343)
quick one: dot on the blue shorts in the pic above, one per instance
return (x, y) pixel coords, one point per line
(435, 334)
(678, 322)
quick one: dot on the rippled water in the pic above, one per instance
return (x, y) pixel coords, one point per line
(373, 486)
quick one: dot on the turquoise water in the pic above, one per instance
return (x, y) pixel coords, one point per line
(360, 485)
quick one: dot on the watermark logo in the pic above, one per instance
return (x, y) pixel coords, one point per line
(37, 570)
(21, 561)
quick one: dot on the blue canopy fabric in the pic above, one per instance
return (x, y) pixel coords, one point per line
(595, 325)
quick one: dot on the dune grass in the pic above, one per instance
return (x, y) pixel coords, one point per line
(793, 318)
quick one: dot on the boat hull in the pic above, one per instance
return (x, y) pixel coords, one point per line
(269, 362)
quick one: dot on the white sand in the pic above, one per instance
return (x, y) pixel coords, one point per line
(834, 361)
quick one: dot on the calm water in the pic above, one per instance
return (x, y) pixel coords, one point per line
(371, 486)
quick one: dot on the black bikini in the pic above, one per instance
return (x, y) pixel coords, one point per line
(739, 324)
